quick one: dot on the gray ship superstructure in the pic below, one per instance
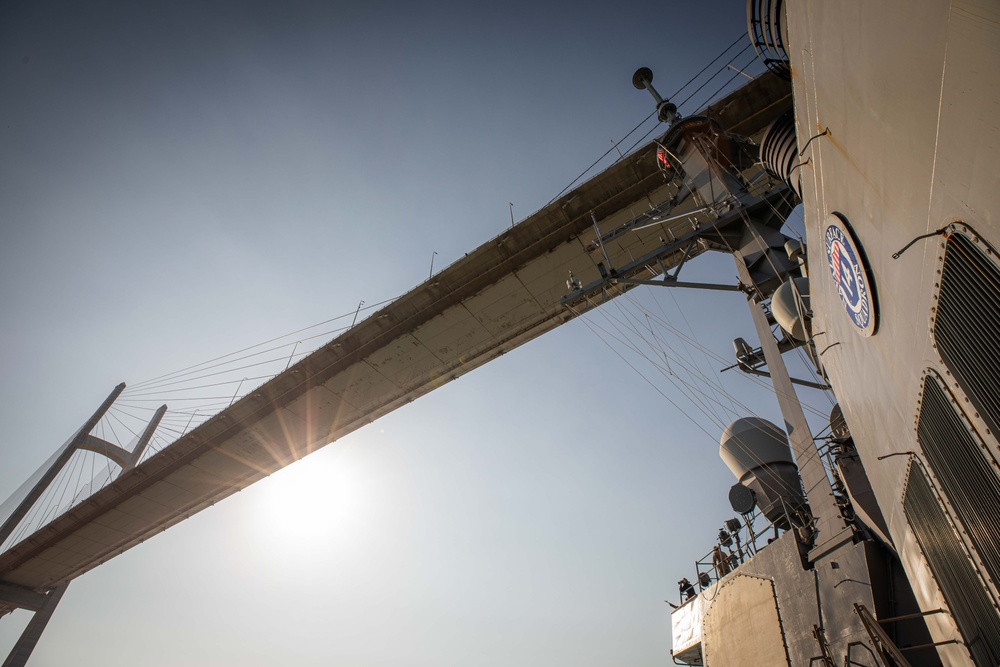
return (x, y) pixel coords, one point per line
(888, 552)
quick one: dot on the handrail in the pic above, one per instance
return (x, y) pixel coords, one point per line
(748, 543)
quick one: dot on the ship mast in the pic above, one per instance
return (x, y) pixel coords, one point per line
(735, 207)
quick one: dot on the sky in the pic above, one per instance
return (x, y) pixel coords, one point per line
(181, 180)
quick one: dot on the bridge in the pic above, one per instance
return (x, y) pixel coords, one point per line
(627, 225)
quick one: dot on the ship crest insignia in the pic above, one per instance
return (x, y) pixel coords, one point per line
(850, 274)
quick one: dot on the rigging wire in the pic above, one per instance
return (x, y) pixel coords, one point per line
(78, 486)
(703, 377)
(598, 160)
(740, 38)
(37, 510)
(706, 352)
(589, 325)
(707, 81)
(155, 386)
(134, 397)
(266, 342)
(124, 425)
(181, 398)
(700, 106)
(69, 480)
(673, 379)
(687, 323)
(767, 257)
(112, 429)
(707, 381)
(324, 335)
(709, 352)
(92, 472)
(228, 370)
(738, 441)
(743, 35)
(64, 479)
(81, 457)
(182, 376)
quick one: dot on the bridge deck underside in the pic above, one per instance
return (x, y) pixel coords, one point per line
(496, 298)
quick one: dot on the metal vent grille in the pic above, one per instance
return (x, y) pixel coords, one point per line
(967, 325)
(970, 604)
(967, 476)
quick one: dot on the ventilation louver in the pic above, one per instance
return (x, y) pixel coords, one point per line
(965, 471)
(970, 604)
(966, 327)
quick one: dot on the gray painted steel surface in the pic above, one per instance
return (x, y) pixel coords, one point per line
(910, 95)
(804, 599)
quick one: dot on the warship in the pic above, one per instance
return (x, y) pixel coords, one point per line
(887, 552)
(875, 541)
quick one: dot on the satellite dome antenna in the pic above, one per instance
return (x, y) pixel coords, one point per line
(666, 111)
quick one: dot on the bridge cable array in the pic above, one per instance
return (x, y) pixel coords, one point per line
(201, 390)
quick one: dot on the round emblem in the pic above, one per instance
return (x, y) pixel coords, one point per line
(850, 275)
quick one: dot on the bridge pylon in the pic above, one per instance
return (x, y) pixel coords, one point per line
(43, 602)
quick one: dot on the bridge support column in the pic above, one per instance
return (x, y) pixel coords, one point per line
(29, 638)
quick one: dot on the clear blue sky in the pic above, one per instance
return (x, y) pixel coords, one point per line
(179, 180)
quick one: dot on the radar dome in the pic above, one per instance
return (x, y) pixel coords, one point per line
(790, 306)
(757, 452)
(752, 442)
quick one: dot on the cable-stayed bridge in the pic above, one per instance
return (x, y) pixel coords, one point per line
(629, 223)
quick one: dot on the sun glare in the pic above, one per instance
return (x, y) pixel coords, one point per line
(312, 506)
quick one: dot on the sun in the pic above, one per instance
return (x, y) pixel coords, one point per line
(313, 506)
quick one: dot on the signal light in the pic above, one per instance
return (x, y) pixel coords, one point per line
(663, 159)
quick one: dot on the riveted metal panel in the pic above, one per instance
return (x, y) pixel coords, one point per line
(743, 626)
